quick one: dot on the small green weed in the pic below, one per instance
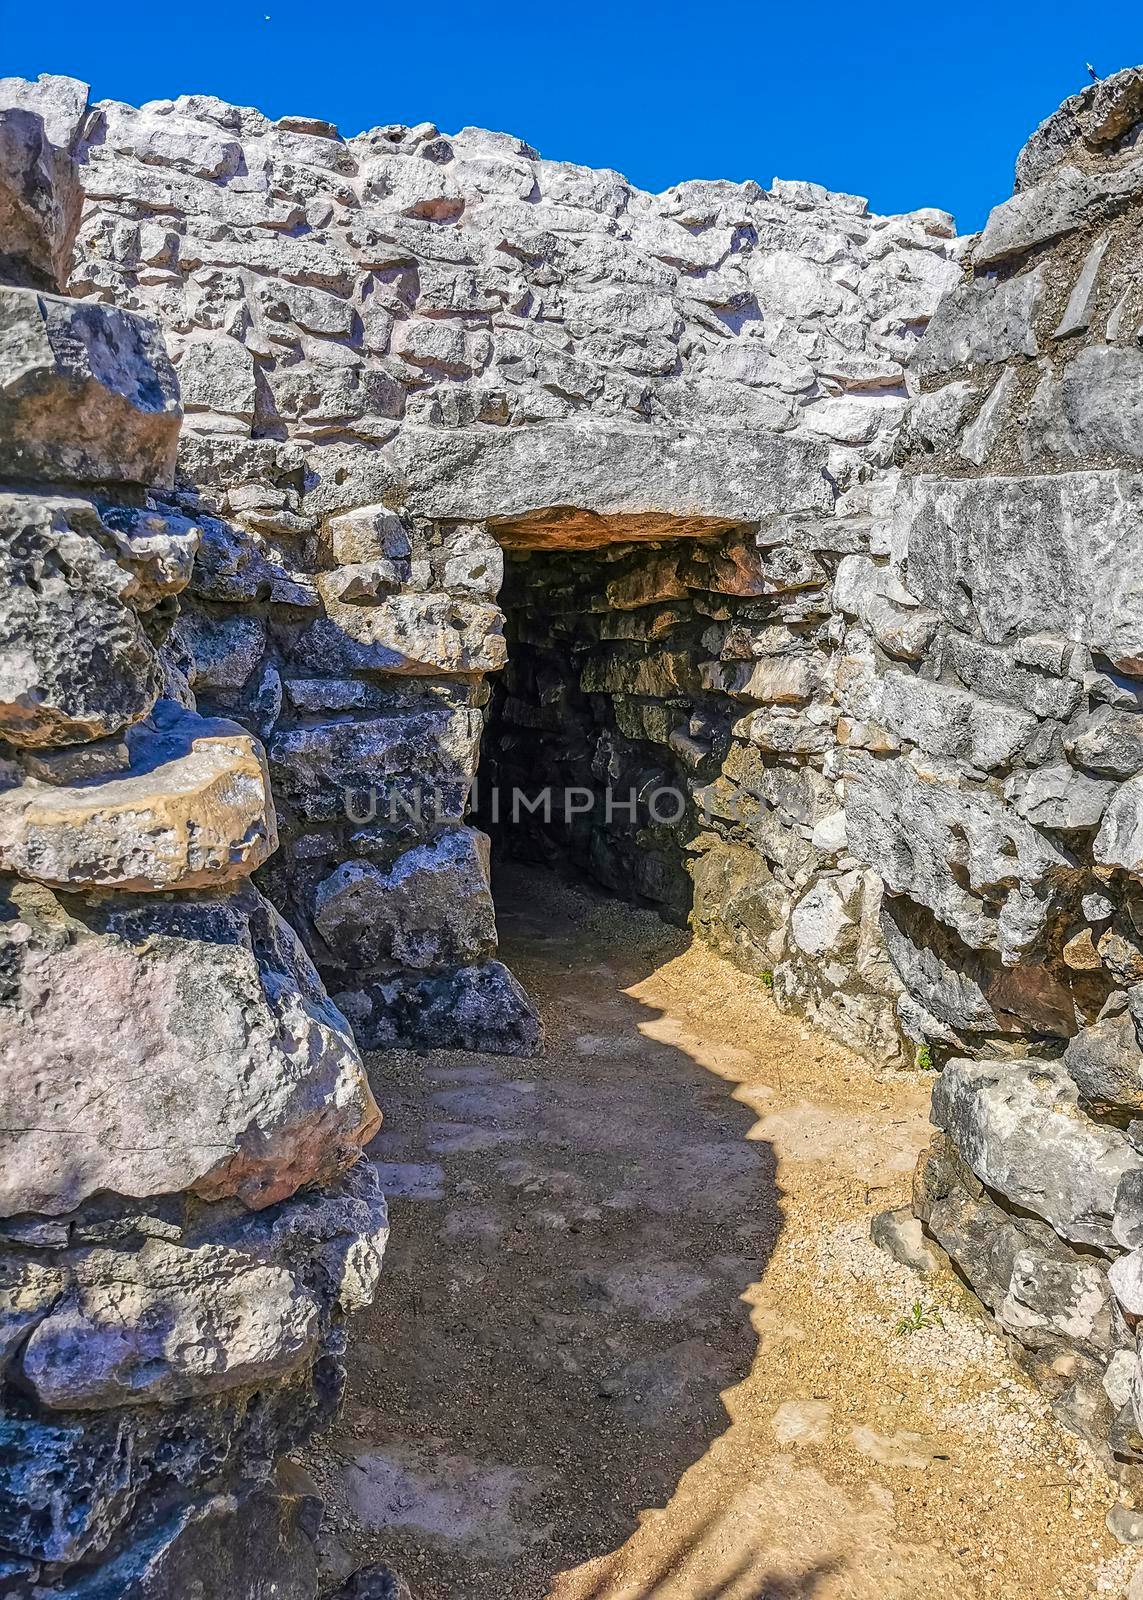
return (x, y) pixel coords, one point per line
(918, 1317)
(924, 1059)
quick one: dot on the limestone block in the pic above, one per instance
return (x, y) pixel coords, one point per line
(472, 1008)
(739, 906)
(287, 307)
(216, 375)
(1013, 556)
(1092, 410)
(158, 547)
(1057, 796)
(432, 908)
(198, 1031)
(369, 533)
(474, 563)
(948, 721)
(197, 148)
(1107, 740)
(28, 1291)
(1095, 120)
(193, 809)
(876, 596)
(820, 924)
(256, 1542)
(333, 769)
(1002, 675)
(1105, 1060)
(404, 634)
(1119, 842)
(982, 321)
(1019, 1127)
(224, 650)
(977, 866)
(1077, 314)
(40, 193)
(87, 394)
(991, 420)
(166, 1324)
(1049, 1301)
(75, 663)
(971, 991)
(575, 485)
(1065, 201)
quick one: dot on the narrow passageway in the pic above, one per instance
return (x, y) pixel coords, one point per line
(632, 1339)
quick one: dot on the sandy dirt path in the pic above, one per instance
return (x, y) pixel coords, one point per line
(632, 1339)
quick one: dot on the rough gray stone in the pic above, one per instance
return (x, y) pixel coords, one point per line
(1013, 556)
(474, 1008)
(432, 908)
(975, 864)
(576, 484)
(980, 322)
(40, 194)
(949, 721)
(1019, 1127)
(1119, 842)
(1065, 201)
(87, 394)
(418, 761)
(1059, 797)
(1091, 412)
(75, 662)
(1105, 1060)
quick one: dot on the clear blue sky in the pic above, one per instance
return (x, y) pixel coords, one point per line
(921, 103)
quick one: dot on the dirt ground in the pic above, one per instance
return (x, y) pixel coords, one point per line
(633, 1341)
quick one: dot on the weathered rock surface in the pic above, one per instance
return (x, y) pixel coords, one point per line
(472, 1008)
(87, 394)
(75, 661)
(40, 194)
(176, 1045)
(192, 810)
(1017, 556)
(172, 1072)
(432, 908)
(1019, 1127)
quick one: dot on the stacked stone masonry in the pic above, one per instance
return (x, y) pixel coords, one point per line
(663, 495)
(998, 791)
(182, 1223)
(404, 355)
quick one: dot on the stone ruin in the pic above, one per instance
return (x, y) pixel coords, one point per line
(796, 549)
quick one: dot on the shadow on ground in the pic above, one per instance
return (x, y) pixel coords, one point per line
(561, 1309)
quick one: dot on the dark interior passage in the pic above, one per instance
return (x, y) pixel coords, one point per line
(602, 730)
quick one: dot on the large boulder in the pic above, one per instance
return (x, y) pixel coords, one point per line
(149, 1046)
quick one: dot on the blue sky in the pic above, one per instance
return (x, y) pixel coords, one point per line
(911, 104)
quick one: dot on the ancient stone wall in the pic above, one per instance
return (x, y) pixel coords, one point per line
(993, 769)
(415, 367)
(182, 1224)
(404, 353)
